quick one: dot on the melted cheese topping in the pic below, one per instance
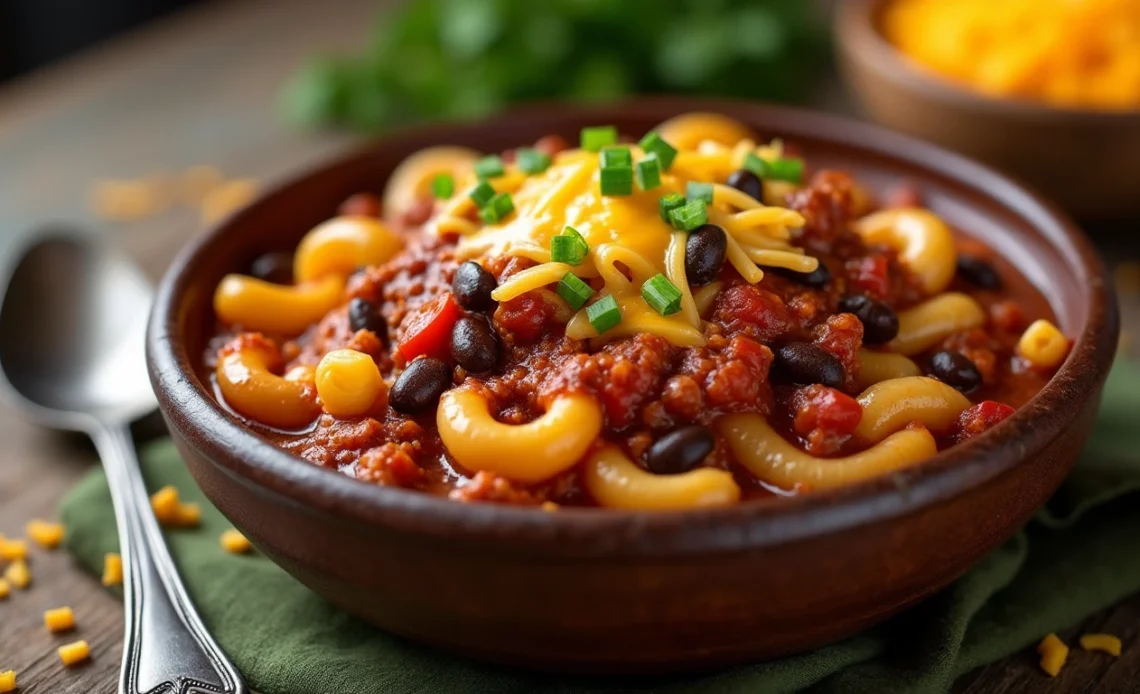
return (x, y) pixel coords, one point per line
(628, 240)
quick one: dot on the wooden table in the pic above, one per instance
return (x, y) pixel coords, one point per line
(200, 87)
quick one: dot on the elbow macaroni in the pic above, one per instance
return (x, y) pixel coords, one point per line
(252, 390)
(923, 241)
(411, 181)
(891, 405)
(616, 482)
(875, 367)
(525, 453)
(261, 306)
(341, 245)
(925, 325)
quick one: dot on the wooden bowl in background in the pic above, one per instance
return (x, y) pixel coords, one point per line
(593, 590)
(1087, 161)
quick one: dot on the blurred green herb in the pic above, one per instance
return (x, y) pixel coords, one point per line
(467, 58)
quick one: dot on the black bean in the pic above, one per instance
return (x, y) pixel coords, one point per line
(275, 267)
(747, 182)
(474, 344)
(680, 450)
(978, 272)
(804, 363)
(819, 277)
(704, 254)
(365, 315)
(880, 323)
(955, 370)
(472, 286)
(418, 388)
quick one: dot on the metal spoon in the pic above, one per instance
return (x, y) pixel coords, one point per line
(71, 357)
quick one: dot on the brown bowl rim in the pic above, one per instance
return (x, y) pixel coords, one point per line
(856, 30)
(193, 414)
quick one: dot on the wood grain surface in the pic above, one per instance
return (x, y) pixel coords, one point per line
(200, 88)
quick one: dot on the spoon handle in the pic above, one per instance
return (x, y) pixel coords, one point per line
(167, 649)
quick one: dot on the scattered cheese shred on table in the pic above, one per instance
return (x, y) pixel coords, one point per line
(59, 619)
(166, 504)
(74, 653)
(8, 681)
(1053, 652)
(45, 534)
(1105, 643)
(189, 516)
(235, 543)
(112, 569)
(18, 574)
(4, 589)
(227, 198)
(197, 182)
(13, 550)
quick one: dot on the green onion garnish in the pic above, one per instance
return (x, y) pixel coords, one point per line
(531, 161)
(566, 249)
(668, 203)
(481, 194)
(497, 207)
(443, 186)
(574, 290)
(490, 166)
(593, 139)
(662, 295)
(689, 216)
(648, 172)
(604, 313)
(617, 180)
(573, 233)
(699, 191)
(778, 169)
(616, 157)
(654, 143)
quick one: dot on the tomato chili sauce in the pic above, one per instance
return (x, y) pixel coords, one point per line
(757, 337)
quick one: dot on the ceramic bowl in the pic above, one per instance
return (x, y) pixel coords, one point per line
(1087, 161)
(590, 590)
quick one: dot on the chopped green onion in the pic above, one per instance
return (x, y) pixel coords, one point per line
(566, 249)
(696, 190)
(616, 158)
(593, 139)
(574, 290)
(497, 207)
(604, 313)
(481, 194)
(662, 295)
(649, 172)
(617, 180)
(668, 203)
(689, 216)
(531, 161)
(443, 186)
(654, 143)
(778, 169)
(574, 234)
(490, 166)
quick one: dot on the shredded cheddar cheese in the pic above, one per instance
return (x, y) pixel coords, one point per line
(7, 681)
(112, 570)
(74, 653)
(59, 619)
(1105, 643)
(1053, 652)
(12, 550)
(18, 575)
(235, 543)
(45, 534)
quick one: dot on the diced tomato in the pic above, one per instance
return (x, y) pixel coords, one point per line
(526, 317)
(760, 312)
(979, 418)
(871, 274)
(824, 416)
(427, 330)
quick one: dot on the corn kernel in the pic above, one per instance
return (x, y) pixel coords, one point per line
(112, 569)
(1043, 345)
(165, 503)
(235, 543)
(44, 534)
(1105, 643)
(74, 653)
(348, 382)
(12, 550)
(7, 681)
(18, 574)
(59, 619)
(1053, 652)
(4, 589)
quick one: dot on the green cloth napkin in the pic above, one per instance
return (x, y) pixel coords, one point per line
(1077, 557)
